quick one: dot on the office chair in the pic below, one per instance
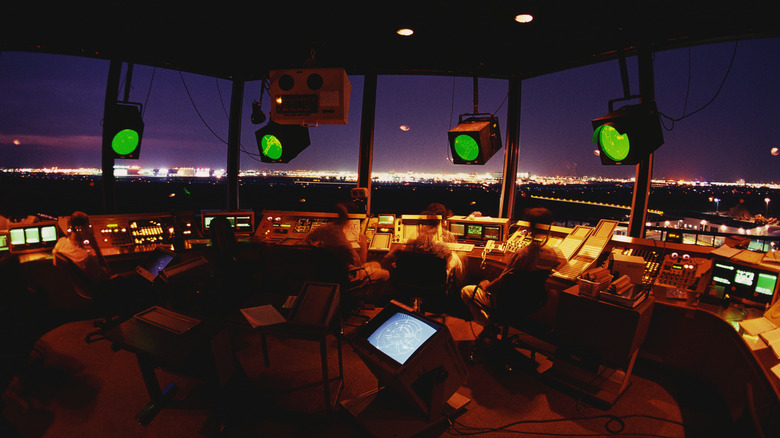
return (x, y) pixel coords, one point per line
(328, 267)
(422, 276)
(510, 309)
(93, 295)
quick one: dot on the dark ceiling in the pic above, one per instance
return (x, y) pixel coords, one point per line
(478, 37)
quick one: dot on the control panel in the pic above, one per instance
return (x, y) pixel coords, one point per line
(291, 227)
(682, 271)
(139, 230)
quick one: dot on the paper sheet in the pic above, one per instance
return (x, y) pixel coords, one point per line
(725, 251)
(756, 326)
(262, 315)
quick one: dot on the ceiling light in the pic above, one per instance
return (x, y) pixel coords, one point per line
(405, 31)
(524, 18)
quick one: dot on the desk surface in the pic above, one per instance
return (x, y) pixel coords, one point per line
(178, 350)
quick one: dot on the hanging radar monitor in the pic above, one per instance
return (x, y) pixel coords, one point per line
(628, 135)
(475, 139)
(124, 129)
(281, 143)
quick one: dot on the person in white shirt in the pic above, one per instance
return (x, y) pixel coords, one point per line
(81, 247)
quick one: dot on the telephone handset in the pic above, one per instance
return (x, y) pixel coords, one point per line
(490, 245)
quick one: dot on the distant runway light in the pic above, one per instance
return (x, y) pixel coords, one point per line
(774, 151)
(406, 128)
(17, 142)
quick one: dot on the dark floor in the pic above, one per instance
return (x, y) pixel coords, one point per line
(74, 389)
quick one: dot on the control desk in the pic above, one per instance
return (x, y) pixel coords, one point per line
(665, 268)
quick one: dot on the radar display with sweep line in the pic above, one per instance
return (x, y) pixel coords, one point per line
(400, 336)
(411, 356)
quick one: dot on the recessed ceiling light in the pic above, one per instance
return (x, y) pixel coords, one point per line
(524, 18)
(405, 31)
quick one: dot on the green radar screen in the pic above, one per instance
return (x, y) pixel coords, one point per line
(124, 129)
(280, 143)
(466, 148)
(612, 143)
(125, 142)
(475, 139)
(628, 135)
(271, 147)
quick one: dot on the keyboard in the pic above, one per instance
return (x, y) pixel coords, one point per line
(462, 247)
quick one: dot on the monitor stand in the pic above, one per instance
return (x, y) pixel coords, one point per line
(384, 414)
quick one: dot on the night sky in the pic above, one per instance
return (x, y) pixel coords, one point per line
(51, 109)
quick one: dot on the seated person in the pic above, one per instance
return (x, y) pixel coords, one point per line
(431, 239)
(80, 246)
(444, 213)
(352, 251)
(535, 256)
(128, 291)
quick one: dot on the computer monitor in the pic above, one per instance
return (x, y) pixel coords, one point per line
(478, 230)
(29, 238)
(48, 233)
(241, 222)
(743, 282)
(151, 266)
(411, 355)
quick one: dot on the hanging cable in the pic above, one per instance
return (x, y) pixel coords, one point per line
(720, 88)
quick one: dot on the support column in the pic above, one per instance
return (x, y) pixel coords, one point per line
(234, 143)
(367, 123)
(107, 158)
(644, 170)
(509, 185)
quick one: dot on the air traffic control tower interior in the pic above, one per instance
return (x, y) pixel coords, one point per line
(217, 292)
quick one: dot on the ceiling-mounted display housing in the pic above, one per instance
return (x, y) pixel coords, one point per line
(310, 96)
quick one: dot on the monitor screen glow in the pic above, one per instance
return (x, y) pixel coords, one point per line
(31, 235)
(48, 233)
(386, 219)
(744, 282)
(401, 335)
(474, 231)
(17, 236)
(457, 229)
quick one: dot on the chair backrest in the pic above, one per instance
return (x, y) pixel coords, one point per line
(82, 284)
(420, 271)
(522, 294)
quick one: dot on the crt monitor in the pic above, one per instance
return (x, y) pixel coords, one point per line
(742, 282)
(241, 222)
(32, 237)
(476, 231)
(412, 356)
(157, 260)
